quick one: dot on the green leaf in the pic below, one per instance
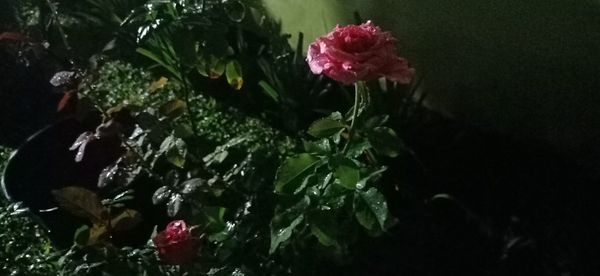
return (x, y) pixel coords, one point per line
(371, 209)
(325, 127)
(174, 205)
(355, 149)
(183, 131)
(321, 147)
(211, 67)
(371, 177)
(82, 235)
(191, 185)
(323, 226)
(385, 141)
(173, 108)
(161, 195)
(293, 171)
(176, 156)
(85, 235)
(233, 72)
(283, 234)
(81, 202)
(346, 171)
(220, 152)
(160, 61)
(269, 90)
(213, 218)
(175, 151)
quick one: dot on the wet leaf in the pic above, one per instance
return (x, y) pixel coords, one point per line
(63, 78)
(107, 176)
(371, 209)
(371, 177)
(321, 147)
(346, 171)
(192, 185)
(325, 127)
(357, 148)
(280, 235)
(80, 144)
(161, 195)
(174, 204)
(293, 171)
(175, 150)
(177, 154)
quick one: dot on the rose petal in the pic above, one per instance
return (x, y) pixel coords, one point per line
(358, 53)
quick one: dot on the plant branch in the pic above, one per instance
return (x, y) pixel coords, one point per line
(186, 95)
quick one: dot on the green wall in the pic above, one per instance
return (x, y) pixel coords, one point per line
(529, 68)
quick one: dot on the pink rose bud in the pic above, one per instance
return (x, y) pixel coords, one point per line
(175, 244)
(358, 53)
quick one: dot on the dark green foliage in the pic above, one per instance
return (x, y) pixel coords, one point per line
(120, 83)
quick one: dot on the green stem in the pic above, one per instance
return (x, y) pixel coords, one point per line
(186, 91)
(354, 115)
(54, 18)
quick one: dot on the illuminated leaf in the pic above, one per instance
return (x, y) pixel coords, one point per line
(293, 171)
(158, 84)
(82, 203)
(233, 71)
(173, 108)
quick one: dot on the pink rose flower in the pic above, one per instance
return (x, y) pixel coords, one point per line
(175, 244)
(358, 53)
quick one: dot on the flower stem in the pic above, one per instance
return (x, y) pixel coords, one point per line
(354, 115)
(188, 102)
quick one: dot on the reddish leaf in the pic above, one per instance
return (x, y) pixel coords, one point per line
(12, 36)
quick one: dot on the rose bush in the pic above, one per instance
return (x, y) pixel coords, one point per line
(358, 53)
(209, 151)
(176, 245)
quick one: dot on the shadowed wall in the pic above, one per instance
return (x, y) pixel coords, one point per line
(527, 68)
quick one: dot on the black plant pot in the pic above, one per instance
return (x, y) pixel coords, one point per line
(27, 101)
(45, 163)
